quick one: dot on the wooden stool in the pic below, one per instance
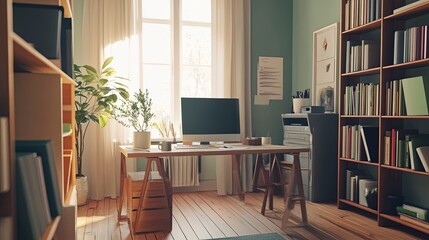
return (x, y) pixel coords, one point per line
(289, 196)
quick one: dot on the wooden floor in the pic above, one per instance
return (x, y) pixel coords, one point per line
(205, 215)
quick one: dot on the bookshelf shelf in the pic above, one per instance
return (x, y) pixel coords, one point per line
(364, 28)
(412, 12)
(362, 72)
(409, 65)
(359, 162)
(392, 134)
(405, 170)
(398, 220)
(356, 205)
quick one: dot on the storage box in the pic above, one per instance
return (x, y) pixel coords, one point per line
(156, 214)
(39, 25)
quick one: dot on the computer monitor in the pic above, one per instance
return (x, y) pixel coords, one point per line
(210, 120)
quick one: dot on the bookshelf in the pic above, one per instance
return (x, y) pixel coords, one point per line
(37, 99)
(393, 179)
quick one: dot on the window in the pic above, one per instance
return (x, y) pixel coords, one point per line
(176, 53)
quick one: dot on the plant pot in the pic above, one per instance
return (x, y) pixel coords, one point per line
(82, 190)
(142, 140)
(298, 103)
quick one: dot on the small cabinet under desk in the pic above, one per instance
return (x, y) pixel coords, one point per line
(319, 132)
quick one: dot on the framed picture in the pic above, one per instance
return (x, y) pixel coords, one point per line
(325, 68)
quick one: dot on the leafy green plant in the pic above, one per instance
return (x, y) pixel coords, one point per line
(136, 112)
(95, 95)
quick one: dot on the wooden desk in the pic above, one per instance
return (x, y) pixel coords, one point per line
(154, 155)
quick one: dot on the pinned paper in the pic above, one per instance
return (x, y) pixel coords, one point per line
(262, 100)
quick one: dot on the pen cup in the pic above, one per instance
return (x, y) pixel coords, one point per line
(266, 140)
(164, 146)
(298, 103)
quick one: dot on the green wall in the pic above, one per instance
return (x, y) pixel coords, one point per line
(309, 16)
(271, 36)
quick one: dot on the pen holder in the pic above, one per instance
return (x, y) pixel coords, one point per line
(300, 102)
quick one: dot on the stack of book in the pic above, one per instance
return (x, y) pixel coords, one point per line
(38, 195)
(405, 148)
(415, 215)
(359, 186)
(410, 44)
(361, 12)
(362, 99)
(360, 143)
(362, 55)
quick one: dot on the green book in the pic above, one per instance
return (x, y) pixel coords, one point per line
(415, 95)
(421, 216)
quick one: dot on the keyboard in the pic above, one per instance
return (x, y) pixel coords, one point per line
(193, 146)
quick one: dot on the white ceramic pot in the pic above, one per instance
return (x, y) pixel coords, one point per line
(142, 140)
(82, 190)
(300, 102)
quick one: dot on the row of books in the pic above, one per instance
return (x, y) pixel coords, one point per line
(360, 12)
(410, 44)
(406, 148)
(360, 142)
(37, 190)
(407, 96)
(362, 55)
(362, 99)
(4, 155)
(415, 215)
(361, 188)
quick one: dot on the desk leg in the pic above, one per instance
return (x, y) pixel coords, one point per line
(236, 159)
(122, 189)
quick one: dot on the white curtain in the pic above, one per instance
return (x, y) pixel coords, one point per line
(230, 63)
(108, 29)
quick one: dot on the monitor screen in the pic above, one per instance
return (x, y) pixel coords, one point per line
(210, 120)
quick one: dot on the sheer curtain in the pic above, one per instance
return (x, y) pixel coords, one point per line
(231, 63)
(108, 29)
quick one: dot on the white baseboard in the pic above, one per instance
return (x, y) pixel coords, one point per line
(205, 185)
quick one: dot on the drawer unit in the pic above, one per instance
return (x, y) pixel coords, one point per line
(319, 167)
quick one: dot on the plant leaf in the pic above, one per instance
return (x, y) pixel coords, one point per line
(107, 62)
(102, 120)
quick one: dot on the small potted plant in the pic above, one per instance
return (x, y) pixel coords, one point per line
(137, 113)
(95, 94)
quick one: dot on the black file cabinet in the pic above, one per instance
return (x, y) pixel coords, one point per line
(319, 132)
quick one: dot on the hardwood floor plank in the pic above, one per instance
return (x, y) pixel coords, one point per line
(101, 220)
(112, 222)
(176, 232)
(218, 220)
(208, 223)
(183, 223)
(81, 221)
(238, 223)
(197, 225)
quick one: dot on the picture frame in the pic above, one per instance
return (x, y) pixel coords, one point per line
(325, 68)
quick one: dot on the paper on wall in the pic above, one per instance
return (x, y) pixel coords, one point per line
(270, 77)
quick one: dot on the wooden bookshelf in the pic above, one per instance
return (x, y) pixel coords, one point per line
(37, 97)
(390, 178)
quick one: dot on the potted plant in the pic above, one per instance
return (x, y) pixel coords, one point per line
(137, 113)
(95, 95)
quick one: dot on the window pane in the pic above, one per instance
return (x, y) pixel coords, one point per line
(156, 43)
(157, 79)
(156, 9)
(196, 81)
(196, 45)
(196, 10)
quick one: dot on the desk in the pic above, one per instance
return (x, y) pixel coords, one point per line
(153, 155)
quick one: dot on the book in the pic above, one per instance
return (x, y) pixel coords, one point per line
(387, 142)
(401, 209)
(369, 136)
(365, 185)
(408, 6)
(31, 216)
(44, 149)
(398, 49)
(423, 153)
(349, 175)
(415, 209)
(416, 141)
(415, 96)
(4, 155)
